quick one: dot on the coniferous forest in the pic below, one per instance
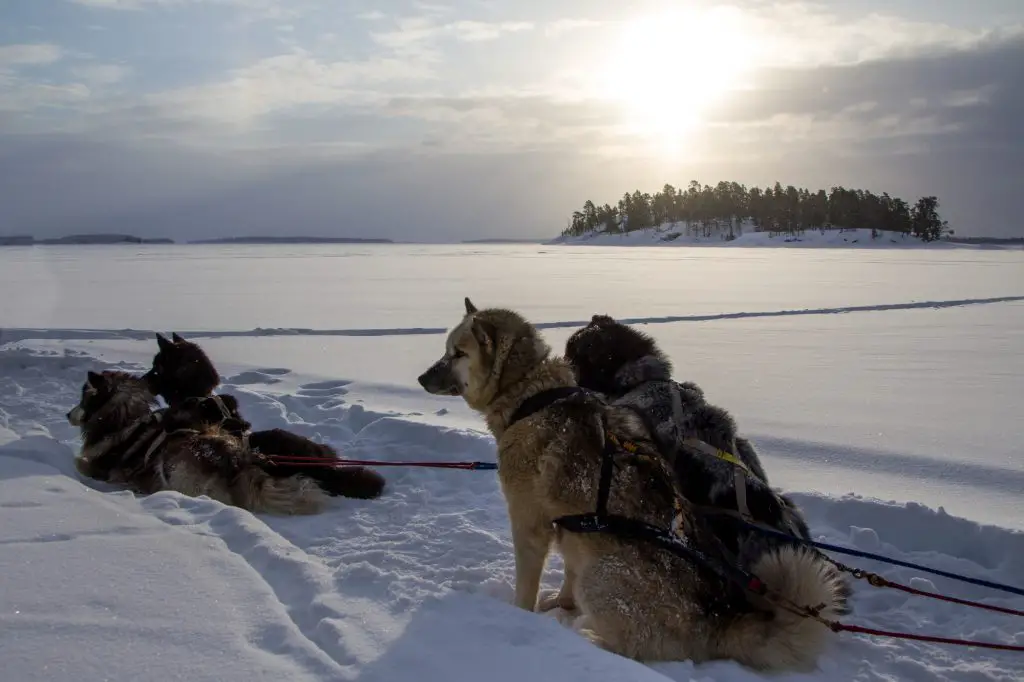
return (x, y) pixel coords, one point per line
(723, 209)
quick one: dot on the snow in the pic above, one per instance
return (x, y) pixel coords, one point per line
(675, 234)
(897, 424)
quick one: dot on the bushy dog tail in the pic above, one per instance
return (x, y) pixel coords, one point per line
(347, 481)
(259, 492)
(778, 639)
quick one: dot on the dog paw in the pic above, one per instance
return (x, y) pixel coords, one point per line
(551, 599)
(594, 638)
(547, 600)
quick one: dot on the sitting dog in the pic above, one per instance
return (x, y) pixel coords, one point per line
(181, 370)
(627, 367)
(634, 598)
(125, 442)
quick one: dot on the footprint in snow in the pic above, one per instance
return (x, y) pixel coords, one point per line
(253, 377)
(275, 371)
(325, 389)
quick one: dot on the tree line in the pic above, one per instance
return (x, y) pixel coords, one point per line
(723, 209)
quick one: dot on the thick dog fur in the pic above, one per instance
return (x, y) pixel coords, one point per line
(618, 360)
(182, 371)
(121, 443)
(632, 598)
(627, 367)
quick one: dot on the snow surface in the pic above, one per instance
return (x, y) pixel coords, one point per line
(918, 404)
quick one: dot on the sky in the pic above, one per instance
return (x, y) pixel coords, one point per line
(471, 119)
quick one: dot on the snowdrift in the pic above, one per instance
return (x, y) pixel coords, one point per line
(99, 584)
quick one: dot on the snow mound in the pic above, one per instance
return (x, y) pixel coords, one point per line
(676, 235)
(414, 586)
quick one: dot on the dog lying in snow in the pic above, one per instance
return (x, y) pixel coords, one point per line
(125, 442)
(181, 371)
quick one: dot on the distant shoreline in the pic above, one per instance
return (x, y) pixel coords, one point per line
(81, 240)
(291, 240)
(650, 238)
(112, 239)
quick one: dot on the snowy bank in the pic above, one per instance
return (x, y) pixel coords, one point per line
(414, 586)
(676, 235)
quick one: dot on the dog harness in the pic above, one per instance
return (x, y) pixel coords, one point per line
(551, 396)
(225, 414)
(600, 520)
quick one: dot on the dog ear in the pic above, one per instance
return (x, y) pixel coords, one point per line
(176, 339)
(230, 402)
(485, 334)
(602, 321)
(94, 380)
(162, 341)
(470, 308)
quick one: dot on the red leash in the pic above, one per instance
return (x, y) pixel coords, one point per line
(843, 627)
(876, 580)
(954, 600)
(872, 578)
(332, 463)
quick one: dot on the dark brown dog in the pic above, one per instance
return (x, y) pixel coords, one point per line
(182, 372)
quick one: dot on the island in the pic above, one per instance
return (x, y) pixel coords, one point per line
(81, 239)
(730, 212)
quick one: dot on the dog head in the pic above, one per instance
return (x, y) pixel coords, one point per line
(608, 356)
(181, 370)
(486, 352)
(96, 391)
(214, 410)
(111, 397)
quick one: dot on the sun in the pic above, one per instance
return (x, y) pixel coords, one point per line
(665, 70)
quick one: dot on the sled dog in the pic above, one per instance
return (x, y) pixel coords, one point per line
(633, 598)
(182, 370)
(124, 442)
(627, 367)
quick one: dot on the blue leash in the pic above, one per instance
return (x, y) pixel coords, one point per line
(824, 546)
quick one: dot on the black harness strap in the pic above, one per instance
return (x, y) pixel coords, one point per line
(604, 484)
(546, 398)
(600, 521)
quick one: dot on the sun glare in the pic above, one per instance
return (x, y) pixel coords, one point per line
(666, 69)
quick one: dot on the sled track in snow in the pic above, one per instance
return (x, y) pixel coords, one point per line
(13, 334)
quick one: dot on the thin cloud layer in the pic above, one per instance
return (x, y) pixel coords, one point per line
(429, 122)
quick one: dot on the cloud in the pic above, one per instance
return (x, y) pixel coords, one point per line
(479, 31)
(101, 74)
(28, 55)
(417, 125)
(280, 83)
(558, 27)
(422, 36)
(18, 96)
(250, 9)
(953, 87)
(142, 4)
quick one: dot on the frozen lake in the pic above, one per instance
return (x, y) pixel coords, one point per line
(220, 287)
(914, 396)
